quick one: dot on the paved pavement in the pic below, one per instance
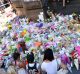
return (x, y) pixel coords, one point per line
(73, 6)
(74, 71)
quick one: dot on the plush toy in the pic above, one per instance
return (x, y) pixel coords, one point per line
(39, 25)
(37, 44)
(9, 26)
(11, 70)
(27, 38)
(22, 64)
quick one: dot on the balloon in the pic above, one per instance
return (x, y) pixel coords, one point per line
(39, 25)
(23, 33)
(78, 49)
(27, 39)
(9, 26)
(37, 44)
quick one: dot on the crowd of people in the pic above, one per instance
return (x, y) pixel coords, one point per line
(3, 4)
(51, 46)
(28, 65)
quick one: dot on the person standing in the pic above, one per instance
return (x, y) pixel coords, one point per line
(49, 64)
(1, 6)
(47, 5)
(6, 3)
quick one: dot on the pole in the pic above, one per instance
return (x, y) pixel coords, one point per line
(44, 4)
(64, 3)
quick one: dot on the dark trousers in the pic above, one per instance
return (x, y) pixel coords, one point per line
(47, 6)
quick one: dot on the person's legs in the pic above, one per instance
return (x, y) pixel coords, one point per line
(76, 62)
(64, 3)
(45, 9)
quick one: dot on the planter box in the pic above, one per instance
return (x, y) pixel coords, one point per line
(30, 9)
(17, 3)
(32, 5)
